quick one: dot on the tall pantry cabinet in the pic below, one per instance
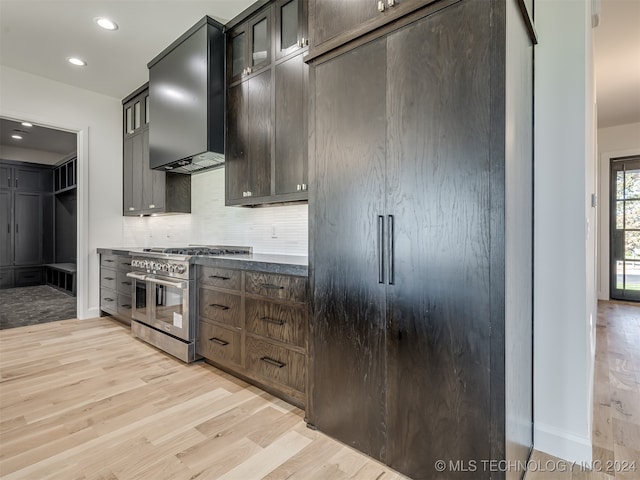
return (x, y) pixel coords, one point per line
(421, 241)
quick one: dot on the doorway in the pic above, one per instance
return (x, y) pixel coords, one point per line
(625, 229)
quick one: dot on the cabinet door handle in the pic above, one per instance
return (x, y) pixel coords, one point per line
(16, 228)
(217, 306)
(152, 206)
(272, 320)
(391, 3)
(108, 278)
(380, 249)
(273, 362)
(381, 6)
(391, 252)
(271, 286)
(220, 342)
(131, 209)
(219, 277)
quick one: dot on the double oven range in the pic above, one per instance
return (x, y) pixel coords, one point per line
(164, 297)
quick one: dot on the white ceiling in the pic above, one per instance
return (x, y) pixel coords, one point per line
(37, 36)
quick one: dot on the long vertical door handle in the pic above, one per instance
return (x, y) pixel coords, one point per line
(380, 249)
(391, 252)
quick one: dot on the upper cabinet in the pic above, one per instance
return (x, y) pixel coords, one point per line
(335, 23)
(250, 46)
(291, 27)
(266, 140)
(146, 191)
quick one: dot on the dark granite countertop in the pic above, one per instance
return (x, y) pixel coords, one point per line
(261, 262)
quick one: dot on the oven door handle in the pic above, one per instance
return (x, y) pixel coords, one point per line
(137, 276)
(167, 283)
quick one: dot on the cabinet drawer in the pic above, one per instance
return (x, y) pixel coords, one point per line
(219, 306)
(25, 277)
(275, 364)
(219, 277)
(218, 343)
(124, 305)
(123, 283)
(109, 261)
(283, 287)
(108, 300)
(276, 321)
(108, 278)
(123, 262)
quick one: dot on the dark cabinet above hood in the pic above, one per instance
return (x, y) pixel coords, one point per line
(187, 101)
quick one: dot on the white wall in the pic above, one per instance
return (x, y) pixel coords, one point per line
(564, 237)
(97, 118)
(613, 142)
(211, 223)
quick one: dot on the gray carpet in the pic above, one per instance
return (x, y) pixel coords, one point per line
(33, 305)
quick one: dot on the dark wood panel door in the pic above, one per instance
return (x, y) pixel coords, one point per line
(290, 26)
(6, 177)
(291, 120)
(331, 18)
(27, 179)
(260, 134)
(438, 200)
(237, 161)
(347, 341)
(128, 206)
(6, 228)
(28, 228)
(153, 181)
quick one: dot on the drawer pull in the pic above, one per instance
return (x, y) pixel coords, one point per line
(126, 306)
(109, 278)
(109, 261)
(273, 362)
(107, 299)
(272, 286)
(219, 307)
(272, 320)
(219, 277)
(126, 283)
(222, 343)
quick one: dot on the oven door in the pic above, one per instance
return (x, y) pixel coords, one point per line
(169, 302)
(139, 297)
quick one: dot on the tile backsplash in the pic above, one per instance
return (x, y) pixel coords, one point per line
(211, 223)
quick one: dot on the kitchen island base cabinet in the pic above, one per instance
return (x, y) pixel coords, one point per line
(418, 292)
(254, 325)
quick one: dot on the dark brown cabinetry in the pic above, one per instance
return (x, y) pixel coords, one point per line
(254, 324)
(26, 199)
(266, 106)
(147, 191)
(334, 23)
(409, 261)
(115, 286)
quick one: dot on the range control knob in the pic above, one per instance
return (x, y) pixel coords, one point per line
(180, 268)
(165, 267)
(134, 263)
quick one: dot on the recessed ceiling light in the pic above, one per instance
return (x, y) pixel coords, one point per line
(27, 124)
(77, 62)
(16, 136)
(106, 23)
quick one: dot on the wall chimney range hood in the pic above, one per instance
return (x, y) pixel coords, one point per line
(187, 101)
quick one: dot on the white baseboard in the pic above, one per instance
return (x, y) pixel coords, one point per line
(90, 313)
(562, 444)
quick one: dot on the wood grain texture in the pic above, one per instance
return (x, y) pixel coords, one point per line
(220, 307)
(219, 277)
(275, 321)
(280, 287)
(290, 125)
(219, 344)
(84, 400)
(260, 133)
(275, 363)
(236, 161)
(347, 330)
(438, 192)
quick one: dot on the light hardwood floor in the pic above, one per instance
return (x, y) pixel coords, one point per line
(84, 400)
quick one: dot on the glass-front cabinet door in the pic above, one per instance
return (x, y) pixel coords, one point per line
(291, 27)
(249, 46)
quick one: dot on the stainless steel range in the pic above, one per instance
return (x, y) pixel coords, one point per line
(163, 296)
